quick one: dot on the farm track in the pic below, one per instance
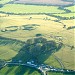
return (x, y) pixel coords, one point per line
(60, 62)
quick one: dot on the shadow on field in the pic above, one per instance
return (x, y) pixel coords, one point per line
(38, 50)
(21, 70)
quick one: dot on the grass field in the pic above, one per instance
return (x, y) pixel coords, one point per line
(9, 48)
(18, 70)
(19, 8)
(25, 9)
(46, 28)
(17, 20)
(68, 22)
(41, 24)
(67, 57)
(6, 53)
(71, 8)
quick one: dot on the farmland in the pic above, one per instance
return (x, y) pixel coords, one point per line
(44, 27)
(25, 22)
(7, 50)
(12, 8)
(71, 8)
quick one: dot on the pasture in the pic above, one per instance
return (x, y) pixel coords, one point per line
(47, 27)
(6, 52)
(18, 70)
(28, 26)
(9, 48)
(24, 9)
(71, 8)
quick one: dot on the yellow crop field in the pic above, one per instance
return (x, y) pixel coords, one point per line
(45, 25)
(22, 20)
(68, 22)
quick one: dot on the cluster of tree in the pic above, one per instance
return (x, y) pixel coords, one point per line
(37, 35)
(63, 8)
(37, 46)
(38, 13)
(13, 13)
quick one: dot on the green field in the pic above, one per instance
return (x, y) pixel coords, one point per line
(25, 9)
(46, 28)
(19, 8)
(9, 48)
(18, 70)
(71, 8)
(28, 27)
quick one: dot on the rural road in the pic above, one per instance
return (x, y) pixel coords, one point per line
(43, 68)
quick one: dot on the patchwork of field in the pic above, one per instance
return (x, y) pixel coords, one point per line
(41, 26)
(44, 25)
(16, 29)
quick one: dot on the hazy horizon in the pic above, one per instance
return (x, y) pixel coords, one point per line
(53, 2)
